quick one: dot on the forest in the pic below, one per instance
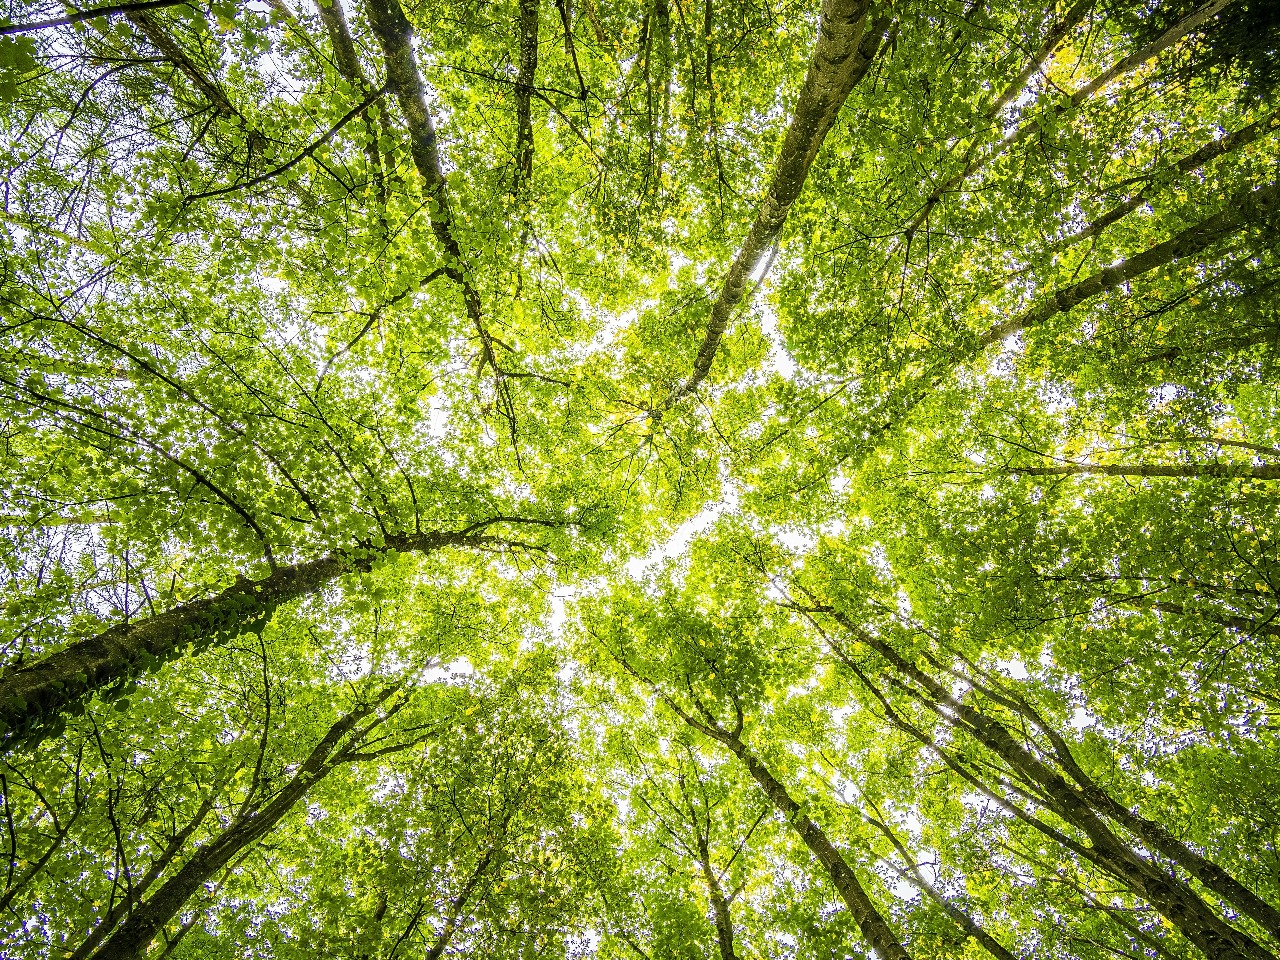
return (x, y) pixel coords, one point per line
(640, 480)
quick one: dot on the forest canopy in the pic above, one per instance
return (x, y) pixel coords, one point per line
(749, 479)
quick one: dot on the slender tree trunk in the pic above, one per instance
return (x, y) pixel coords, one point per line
(457, 906)
(1231, 470)
(1153, 835)
(131, 938)
(1028, 129)
(1248, 207)
(842, 56)
(1213, 936)
(1193, 161)
(1251, 205)
(158, 867)
(719, 903)
(34, 694)
(91, 14)
(404, 79)
(1057, 33)
(524, 94)
(873, 926)
(334, 18)
(1269, 627)
(164, 41)
(961, 918)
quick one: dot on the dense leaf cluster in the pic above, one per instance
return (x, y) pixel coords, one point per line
(659, 480)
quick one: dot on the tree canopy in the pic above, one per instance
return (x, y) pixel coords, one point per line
(788, 479)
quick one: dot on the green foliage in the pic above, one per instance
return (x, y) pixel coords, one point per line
(962, 560)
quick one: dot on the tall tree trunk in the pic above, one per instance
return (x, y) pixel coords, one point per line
(1242, 210)
(334, 18)
(843, 54)
(873, 926)
(158, 867)
(1153, 835)
(404, 79)
(1057, 33)
(1194, 918)
(1231, 470)
(1251, 205)
(131, 938)
(719, 902)
(34, 694)
(457, 906)
(1192, 161)
(524, 94)
(961, 918)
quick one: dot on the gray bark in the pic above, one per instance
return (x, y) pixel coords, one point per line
(32, 695)
(1268, 471)
(844, 52)
(144, 924)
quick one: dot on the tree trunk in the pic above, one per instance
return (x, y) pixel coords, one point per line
(404, 79)
(457, 906)
(719, 903)
(961, 918)
(1028, 129)
(161, 864)
(34, 694)
(334, 18)
(1245, 208)
(1248, 206)
(524, 94)
(1193, 161)
(1153, 835)
(1231, 470)
(132, 938)
(873, 926)
(1217, 939)
(841, 57)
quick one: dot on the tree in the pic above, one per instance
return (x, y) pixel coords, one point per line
(639, 479)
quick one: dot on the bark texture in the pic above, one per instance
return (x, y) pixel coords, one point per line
(719, 902)
(132, 937)
(1268, 471)
(873, 926)
(404, 79)
(844, 52)
(1175, 900)
(524, 94)
(1244, 208)
(34, 694)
